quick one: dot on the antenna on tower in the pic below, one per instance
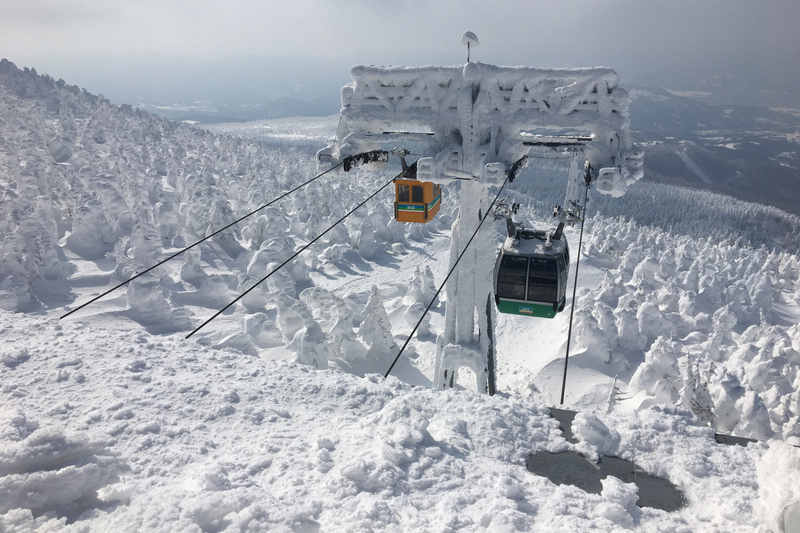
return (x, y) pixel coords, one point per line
(469, 40)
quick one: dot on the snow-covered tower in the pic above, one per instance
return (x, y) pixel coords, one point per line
(473, 123)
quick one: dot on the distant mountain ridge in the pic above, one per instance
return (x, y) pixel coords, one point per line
(749, 152)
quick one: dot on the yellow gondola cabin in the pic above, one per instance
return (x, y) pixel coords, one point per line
(416, 201)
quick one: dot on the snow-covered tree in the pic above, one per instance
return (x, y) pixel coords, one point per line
(659, 375)
(589, 336)
(376, 330)
(293, 315)
(421, 288)
(754, 421)
(345, 346)
(694, 394)
(311, 345)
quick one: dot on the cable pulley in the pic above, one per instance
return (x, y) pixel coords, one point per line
(374, 160)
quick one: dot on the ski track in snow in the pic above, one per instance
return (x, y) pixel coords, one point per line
(696, 170)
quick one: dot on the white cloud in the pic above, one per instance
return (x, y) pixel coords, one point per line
(626, 34)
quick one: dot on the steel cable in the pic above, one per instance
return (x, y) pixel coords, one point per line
(452, 269)
(290, 258)
(109, 291)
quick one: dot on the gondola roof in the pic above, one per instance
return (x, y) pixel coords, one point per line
(535, 245)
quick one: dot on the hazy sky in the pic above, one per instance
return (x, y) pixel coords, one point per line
(630, 35)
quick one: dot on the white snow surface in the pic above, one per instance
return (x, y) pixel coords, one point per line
(127, 431)
(275, 416)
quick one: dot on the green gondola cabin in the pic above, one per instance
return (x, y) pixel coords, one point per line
(530, 276)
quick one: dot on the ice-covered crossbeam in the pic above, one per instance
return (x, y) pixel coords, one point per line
(463, 118)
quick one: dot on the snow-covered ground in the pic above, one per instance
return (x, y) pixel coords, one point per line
(127, 431)
(275, 415)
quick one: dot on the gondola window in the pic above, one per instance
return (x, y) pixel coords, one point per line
(403, 193)
(511, 279)
(542, 280)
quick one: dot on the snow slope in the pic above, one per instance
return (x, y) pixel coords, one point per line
(126, 431)
(272, 417)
